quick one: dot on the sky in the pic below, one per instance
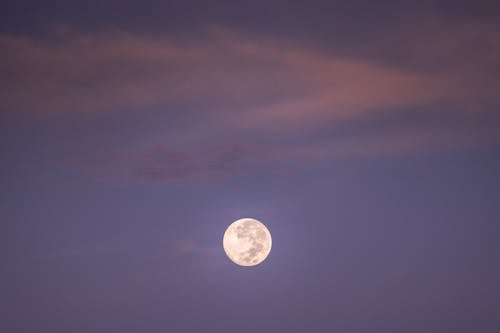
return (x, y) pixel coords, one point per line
(364, 134)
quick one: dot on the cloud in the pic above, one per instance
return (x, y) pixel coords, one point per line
(162, 163)
(165, 164)
(272, 99)
(395, 143)
(114, 70)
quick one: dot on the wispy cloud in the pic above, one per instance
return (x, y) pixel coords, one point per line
(112, 70)
(186, 247)
(262, 93)
(163, 163)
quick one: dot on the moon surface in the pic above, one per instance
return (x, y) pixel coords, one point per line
(247, 242)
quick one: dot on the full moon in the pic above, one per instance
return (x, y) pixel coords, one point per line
(247, 242)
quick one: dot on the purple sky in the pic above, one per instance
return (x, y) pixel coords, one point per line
(364, 134)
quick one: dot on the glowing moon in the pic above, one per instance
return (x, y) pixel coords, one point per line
(247, 242)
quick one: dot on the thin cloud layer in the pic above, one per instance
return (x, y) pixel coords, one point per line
(110, 71)
(247, 90)
(162, 163)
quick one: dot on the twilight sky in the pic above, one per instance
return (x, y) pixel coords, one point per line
(364, 134)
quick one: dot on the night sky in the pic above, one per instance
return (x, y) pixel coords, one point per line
(364, 134)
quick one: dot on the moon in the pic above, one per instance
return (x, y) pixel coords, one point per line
(247, 242)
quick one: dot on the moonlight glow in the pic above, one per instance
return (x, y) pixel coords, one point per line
(247, 242)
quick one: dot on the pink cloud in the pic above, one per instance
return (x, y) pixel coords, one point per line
(112, 70)
(261, 92)
(162, 163)
(396, 143)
